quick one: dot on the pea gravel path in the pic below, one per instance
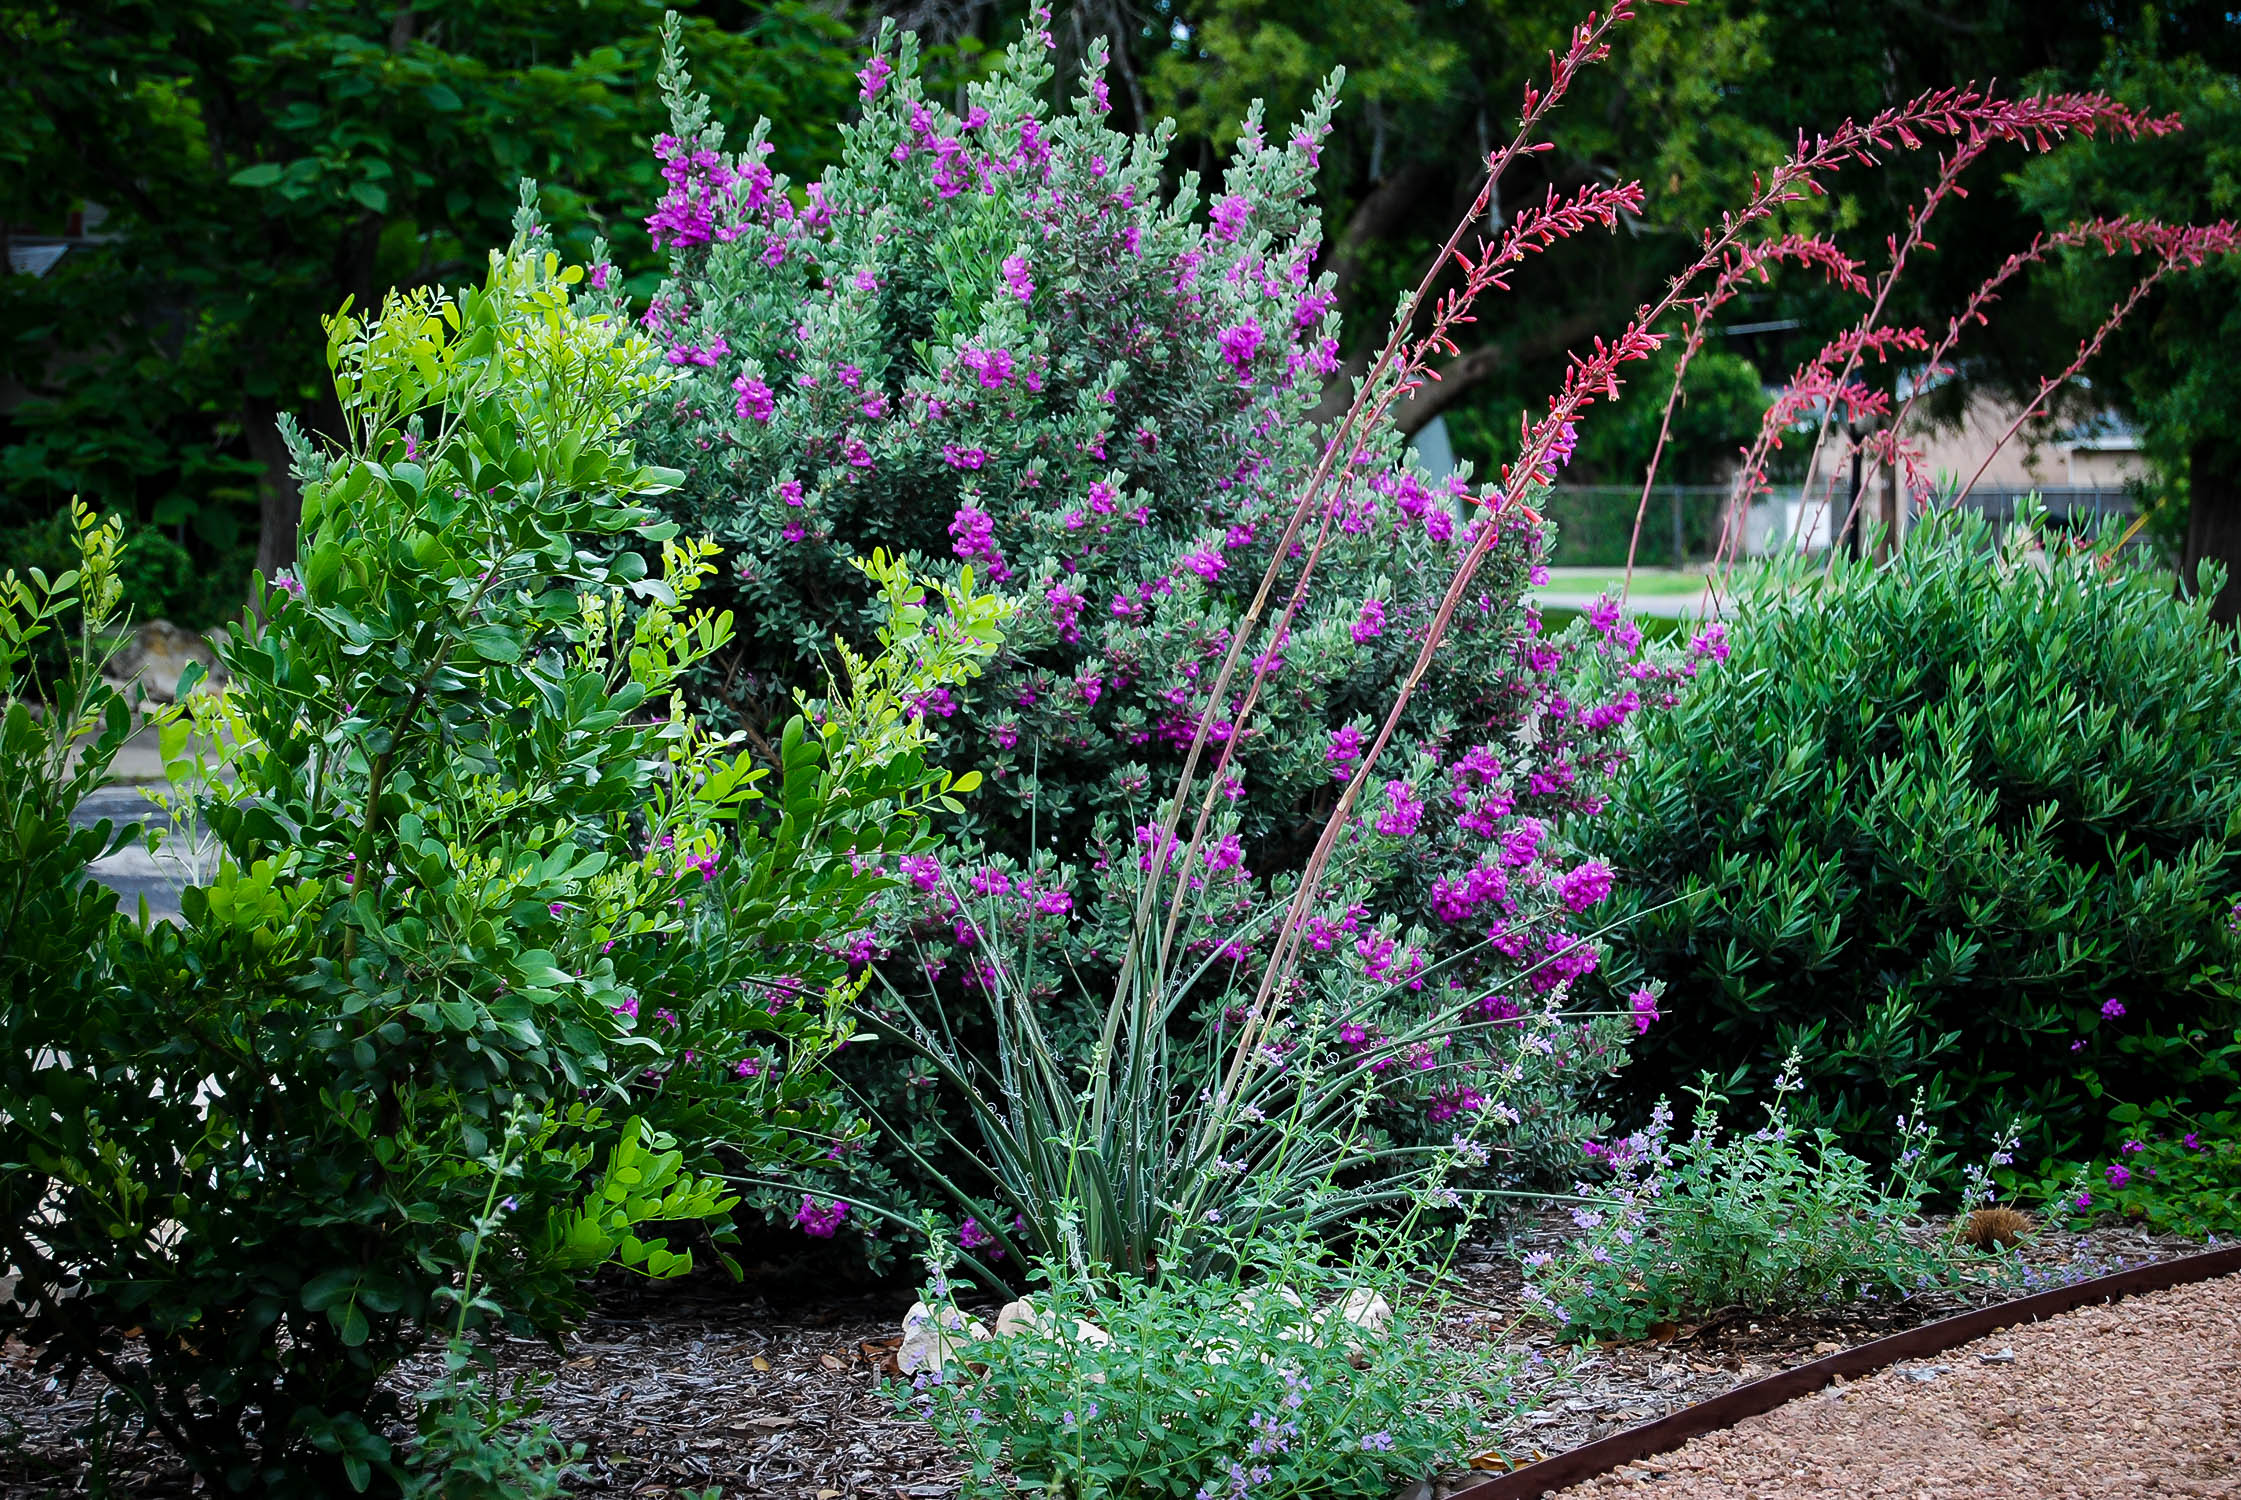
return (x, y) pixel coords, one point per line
(2128, 1400)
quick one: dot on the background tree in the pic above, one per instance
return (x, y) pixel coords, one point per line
(261, 160)
(1696, 100)
(2170, 368)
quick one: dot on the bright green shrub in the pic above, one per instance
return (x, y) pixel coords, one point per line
(485, 978)
(1931, 818)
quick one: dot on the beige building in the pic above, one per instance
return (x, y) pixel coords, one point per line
(2100, 454)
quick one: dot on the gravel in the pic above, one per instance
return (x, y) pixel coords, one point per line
(2131, 1399)
(1584, 1394)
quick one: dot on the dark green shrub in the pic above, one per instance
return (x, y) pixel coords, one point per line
(161, 580)
(1931, 818)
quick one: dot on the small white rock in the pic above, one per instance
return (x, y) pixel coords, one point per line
(930, 1343)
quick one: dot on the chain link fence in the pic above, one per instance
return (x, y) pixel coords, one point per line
(1682, 523)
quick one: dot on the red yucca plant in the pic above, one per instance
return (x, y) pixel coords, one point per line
(1967, 120)
(1829, 383)
(1124, 1127)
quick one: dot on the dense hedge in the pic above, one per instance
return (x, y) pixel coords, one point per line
(1931, 820)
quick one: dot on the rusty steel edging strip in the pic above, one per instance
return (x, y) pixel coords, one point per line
(1730, 1407)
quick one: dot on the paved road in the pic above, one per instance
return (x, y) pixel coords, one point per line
(134, 873)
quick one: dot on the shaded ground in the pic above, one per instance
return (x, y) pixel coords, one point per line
(679, 1387)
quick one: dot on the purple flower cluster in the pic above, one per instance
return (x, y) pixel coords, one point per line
(819, 1221)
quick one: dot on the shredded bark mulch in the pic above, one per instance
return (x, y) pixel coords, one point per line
(760, 1392)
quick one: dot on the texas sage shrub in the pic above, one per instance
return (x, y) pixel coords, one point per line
(992, 338)
(1930, 818)
(1299, 1374)
(1780, 1220)
(499, 959)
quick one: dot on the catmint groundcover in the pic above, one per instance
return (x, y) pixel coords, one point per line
(1001, 338)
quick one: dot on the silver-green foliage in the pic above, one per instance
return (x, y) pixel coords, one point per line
(1298, 1374)
(1779, 1220)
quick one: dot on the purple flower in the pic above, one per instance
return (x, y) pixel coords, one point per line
(1240, 342)
(755, 399)
(1229, 215)
(1016, 279)
(819, 1222)
(1205, 562)
(1377, 1442)
(935, 704)
(2118, 1174)
(973, 538)
(1645, 1010)
(1403, 812)
(874, 76)
(1709, 642)
(702, 355)
(1344, 753)
(1370, 623)
(1584, 886)
(993, 366)
(2111, 1009)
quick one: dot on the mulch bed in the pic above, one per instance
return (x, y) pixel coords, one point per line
(762, 1393)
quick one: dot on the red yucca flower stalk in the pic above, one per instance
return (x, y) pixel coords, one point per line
(1738, 269)
(1954, 114)
(1400, 367)
(2177, 248)
(1828, 381)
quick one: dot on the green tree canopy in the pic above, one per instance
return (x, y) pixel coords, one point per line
(2170, 366)
(261, 160)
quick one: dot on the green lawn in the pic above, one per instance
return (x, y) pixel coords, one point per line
(1654, 582)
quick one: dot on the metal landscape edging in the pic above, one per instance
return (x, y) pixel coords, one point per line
(1730, 1407)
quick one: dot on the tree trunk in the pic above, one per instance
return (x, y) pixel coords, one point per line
(280, 501)
(2214, 523)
